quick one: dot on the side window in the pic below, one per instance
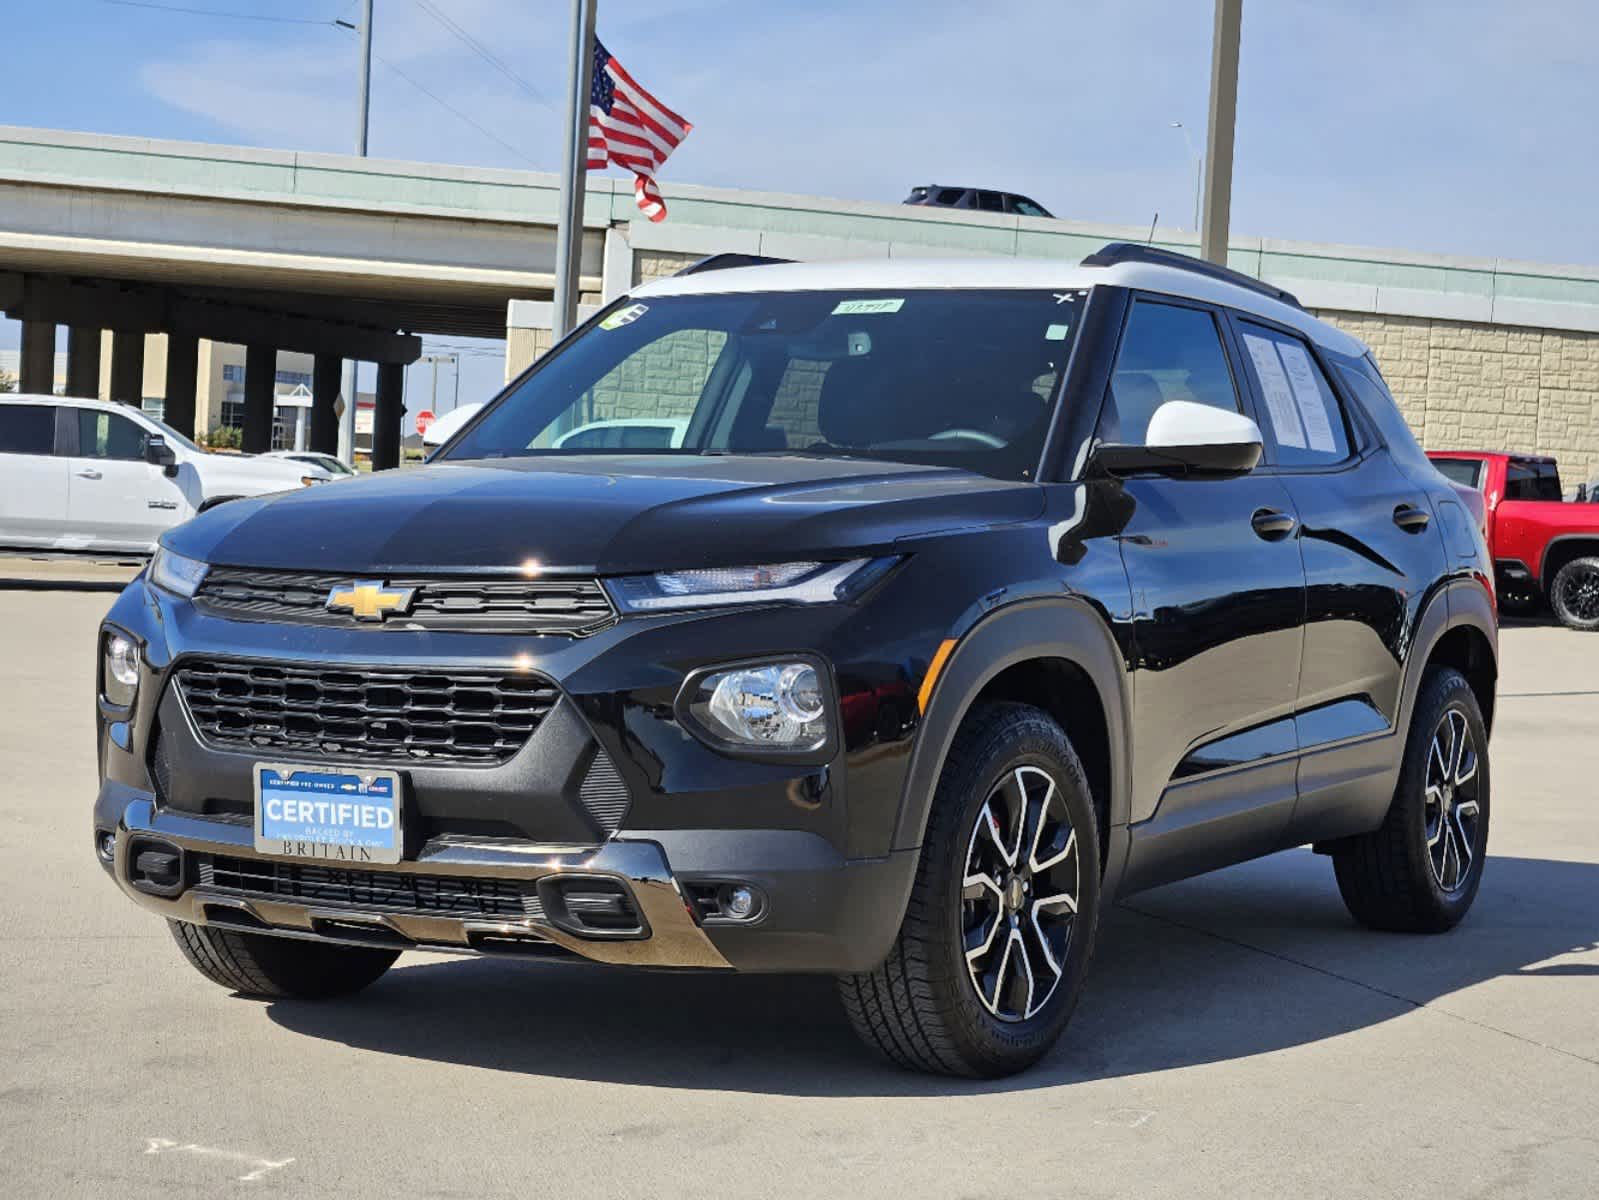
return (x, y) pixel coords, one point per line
(950, 197)
(1168, 352)
(108, 435)
(27, 428)
(990, 202)
(1304, 419)
(1531, 481)
(1464, 471)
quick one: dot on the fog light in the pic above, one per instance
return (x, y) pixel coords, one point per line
(106, 847)
(741, 903)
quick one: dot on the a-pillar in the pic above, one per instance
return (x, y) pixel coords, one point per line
(83, 361)
(325, 373)
(127, 367)
(37, 371)
(260, 387)
(387, 416)
(183, 369)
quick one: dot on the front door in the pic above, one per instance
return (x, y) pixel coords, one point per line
(33, 480)
(116, 500)
(1218, 596)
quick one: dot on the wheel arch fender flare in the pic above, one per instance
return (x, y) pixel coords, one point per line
(1556, 551)
(1065, 628)
(1459, 604)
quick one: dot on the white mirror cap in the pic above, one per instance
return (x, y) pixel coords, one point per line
(1185, 423)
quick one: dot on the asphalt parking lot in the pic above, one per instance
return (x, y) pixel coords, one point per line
(1239, 1035)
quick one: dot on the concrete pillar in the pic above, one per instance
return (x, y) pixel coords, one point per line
(324, 392)
(127, 368)
(83, 361)
(388, 416)
(37, 371)
(183, 370)
(260, 385)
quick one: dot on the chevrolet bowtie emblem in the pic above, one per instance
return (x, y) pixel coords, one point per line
(369, 599)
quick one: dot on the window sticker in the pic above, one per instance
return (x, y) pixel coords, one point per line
(847, 308)
(624, 316)
(1307, 392)
(1056, 333)
(1279, 394)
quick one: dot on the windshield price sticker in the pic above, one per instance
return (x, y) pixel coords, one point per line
(1307, 393)
(624, 316)
(849, 308)
(1279, 395)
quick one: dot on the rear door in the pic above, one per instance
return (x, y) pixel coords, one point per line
(116, 499)
(1218, 608)
(1373, 552)
(33, 480)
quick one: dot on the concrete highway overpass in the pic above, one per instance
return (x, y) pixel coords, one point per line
(351, 258)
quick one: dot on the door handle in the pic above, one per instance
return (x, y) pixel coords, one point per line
(90, 474)
(1272, 525)
(1410, 518)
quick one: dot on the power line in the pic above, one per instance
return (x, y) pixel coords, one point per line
(217, 12)
(445, 104)
(482, 51)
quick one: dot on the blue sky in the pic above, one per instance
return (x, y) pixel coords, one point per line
(1458, 126)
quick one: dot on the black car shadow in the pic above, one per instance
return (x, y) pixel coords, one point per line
(1248, 961)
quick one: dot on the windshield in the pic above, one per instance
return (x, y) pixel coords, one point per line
(959, 378)
(172, 435)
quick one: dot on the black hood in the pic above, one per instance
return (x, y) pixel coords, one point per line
(601, 513)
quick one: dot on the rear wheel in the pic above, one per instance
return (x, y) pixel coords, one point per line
(1420, 871)
(1001, 921)
(1574, 594)
(261, 965)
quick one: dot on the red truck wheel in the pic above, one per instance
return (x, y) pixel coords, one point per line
(1574, 595)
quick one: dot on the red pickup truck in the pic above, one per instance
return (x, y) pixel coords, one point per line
(1543, 546)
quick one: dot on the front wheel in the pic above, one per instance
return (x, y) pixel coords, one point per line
(1000, 926)
(258, 964)
(1574, 594)
(1420, 871)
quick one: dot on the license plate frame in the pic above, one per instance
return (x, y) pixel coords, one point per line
(354, 800)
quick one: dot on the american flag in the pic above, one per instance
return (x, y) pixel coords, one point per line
(631, 128)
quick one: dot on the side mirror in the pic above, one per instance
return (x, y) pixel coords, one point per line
(158, 454)
(1185, 438)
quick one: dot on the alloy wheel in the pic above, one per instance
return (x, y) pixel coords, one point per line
(1019, 894)
(1451, 811)
(1579, 593)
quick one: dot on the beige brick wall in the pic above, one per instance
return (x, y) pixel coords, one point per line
(1491, 387)
(657, 264)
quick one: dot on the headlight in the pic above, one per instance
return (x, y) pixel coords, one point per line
(778, 706)
(790, 583)
(121, 670)
(173, 572)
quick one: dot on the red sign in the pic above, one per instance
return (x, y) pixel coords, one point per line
(423, 420)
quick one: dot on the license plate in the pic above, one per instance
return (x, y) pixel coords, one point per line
(343, 816)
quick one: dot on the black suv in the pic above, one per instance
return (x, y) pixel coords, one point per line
(969, 597)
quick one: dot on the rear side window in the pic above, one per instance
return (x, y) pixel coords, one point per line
(1304, 419)
(950, 196)
(107, 435)
(1168, 352)
(1525, 481)
(990, 202)
(1460, 470)
(27, 428)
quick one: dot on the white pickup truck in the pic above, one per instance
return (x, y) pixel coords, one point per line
(89, 476)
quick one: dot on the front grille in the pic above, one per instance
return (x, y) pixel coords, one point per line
(574, 607)
(372, 713)
(329, 887)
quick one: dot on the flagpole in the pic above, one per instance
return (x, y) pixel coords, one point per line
(569, 232)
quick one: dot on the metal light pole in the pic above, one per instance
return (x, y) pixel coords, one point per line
(1219, 138)
(1199, 171)
(348, 382)
(569, 233)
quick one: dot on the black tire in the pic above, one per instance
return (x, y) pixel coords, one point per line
(1396, 878)
(259, 964)
(921, 1007)
(1574, 594)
